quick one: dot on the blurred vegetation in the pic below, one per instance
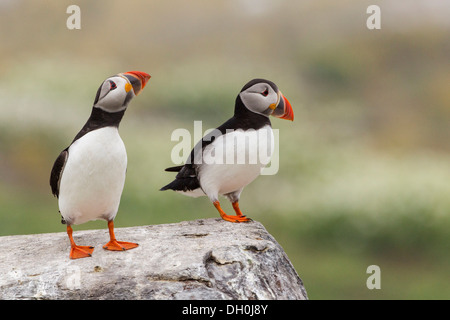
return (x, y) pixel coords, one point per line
(364, 168)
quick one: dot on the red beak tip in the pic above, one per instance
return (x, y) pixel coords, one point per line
(144, 77)
(289, 113)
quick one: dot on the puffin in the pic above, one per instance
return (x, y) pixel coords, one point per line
(228, 158)
(89, 175)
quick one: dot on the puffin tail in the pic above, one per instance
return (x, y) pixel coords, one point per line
(175, 184)
(184, 185)
(170, 186)
(174, 169)
(186, 179)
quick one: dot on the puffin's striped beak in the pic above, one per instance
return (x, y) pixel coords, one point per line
(137, 79)
(284, 109)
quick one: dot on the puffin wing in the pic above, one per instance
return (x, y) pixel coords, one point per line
(57, 170)
(187, 179)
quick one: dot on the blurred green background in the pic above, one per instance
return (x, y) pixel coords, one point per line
(364, 172)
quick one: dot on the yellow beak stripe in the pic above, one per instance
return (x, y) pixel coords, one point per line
(128, 87)
(274, 105)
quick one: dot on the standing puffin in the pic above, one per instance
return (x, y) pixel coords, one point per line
(89, 175)
(243, 135)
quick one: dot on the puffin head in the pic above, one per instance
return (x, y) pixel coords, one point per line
(117, 91)
(263, 97)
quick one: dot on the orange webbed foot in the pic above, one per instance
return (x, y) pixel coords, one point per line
(77, 252)
(115, 245)
(236, 219)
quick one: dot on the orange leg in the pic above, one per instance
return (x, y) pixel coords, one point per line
(236, 209)
(115, 245)
(77, 252)
(238, 218)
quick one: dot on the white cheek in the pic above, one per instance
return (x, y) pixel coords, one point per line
(252, 102)
(116, 96)
(113, 101)
(258, 103)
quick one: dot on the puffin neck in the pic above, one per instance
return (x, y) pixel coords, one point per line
(100, 119)
(249, 119)
(104, 118)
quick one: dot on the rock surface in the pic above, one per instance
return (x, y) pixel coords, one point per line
(201, 259)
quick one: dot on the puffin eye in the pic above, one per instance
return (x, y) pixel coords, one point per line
(112, 85)
(265, 92)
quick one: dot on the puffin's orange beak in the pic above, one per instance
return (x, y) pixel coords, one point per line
(283, 109)
(137, 79)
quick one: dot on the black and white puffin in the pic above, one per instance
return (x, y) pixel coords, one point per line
(213, 167)
(89, 175)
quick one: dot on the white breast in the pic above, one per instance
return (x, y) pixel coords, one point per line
(234, 160)
(93, 177)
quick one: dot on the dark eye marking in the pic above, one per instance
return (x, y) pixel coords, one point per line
(265, 92)
(112, 85)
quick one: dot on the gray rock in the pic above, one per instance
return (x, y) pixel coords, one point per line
(201, 259)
